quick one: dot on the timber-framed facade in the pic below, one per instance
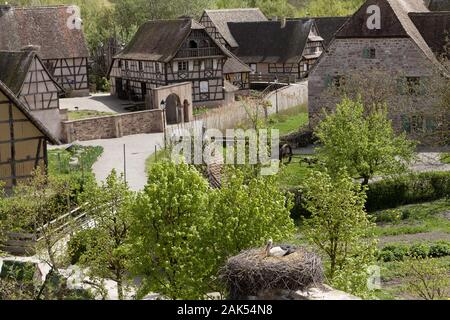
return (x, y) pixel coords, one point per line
(23, 140)
(151, 61)
(27, 77)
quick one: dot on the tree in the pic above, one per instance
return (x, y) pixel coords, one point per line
(169, 222)
(330, 8)
(362, 142)
(106, 254)
(248, 211)
(426, 278)
(340, 228)
(182, 231)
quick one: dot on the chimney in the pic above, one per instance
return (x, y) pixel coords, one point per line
(283, 22)
(31, 48)
(4, 8)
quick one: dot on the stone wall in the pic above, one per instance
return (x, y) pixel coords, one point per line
(396, 57)
(115, 126)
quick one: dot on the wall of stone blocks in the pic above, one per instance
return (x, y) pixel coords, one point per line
(115, 126)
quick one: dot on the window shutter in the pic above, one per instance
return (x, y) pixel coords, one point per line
(175, 66)
(401, 86)
(431, 124)
(365, 53)
(328, 81)
(406, 124)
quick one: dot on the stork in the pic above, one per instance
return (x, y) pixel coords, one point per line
(279, 251)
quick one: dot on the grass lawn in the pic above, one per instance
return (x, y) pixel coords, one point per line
(417, 218)
(293, 174)
(289, 121)
(86, 114)
(78, 158)
(445, 158)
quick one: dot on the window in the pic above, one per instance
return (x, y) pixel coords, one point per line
(204, 86)
(413, 85)
(141, 66)
(305, 67)
(183, 66)
(209, 64)
(338, 81)
(369, 53)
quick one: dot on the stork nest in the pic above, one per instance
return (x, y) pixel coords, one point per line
(251, 272)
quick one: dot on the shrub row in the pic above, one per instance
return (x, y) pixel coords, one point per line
(398, 252)
(408, 189)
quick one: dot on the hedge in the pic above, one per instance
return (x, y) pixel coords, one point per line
(398, 252)
(408, 189)
(392, 193)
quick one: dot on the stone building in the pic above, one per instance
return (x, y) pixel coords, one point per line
(23, 139)
(57, 32)
(166, 52)
(277, 49)
(400, 38)
(26, 76)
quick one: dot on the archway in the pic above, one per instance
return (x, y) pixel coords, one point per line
(173, 107)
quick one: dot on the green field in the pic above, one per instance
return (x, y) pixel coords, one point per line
(86, 114)
(290, 120)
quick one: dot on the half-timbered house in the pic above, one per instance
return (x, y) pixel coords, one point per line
(166, 52)
(27, 77)
(278, 49)
(401, 39)
(23, 139)
(57, 31)
(216, 23)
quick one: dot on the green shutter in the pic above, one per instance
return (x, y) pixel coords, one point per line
(366, 53)
(401, 86)
(431, 124)
(406, 124)
(328, 81)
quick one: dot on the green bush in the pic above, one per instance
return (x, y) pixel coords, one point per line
(399, 252)
(78, 244)
(389, 216)
(439, 249)
(420, 250)
(408, 189)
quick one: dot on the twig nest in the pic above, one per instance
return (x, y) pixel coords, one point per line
(252, 272)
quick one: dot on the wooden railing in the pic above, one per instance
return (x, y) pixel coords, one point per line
(199, 52)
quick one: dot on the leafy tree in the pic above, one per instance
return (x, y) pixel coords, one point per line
(362, 142)
(330, 7)
(340, 228)
(106, 254)
(426, 278)
(169, 222)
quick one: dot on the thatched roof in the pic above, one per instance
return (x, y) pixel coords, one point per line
(41, 26)
(270, 42)
(221, 18)
(10, 95)
(434, 28)
(159, 40)
(439, 5)
(14, 67)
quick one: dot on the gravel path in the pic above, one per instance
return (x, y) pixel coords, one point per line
(410, 238)
(429, 161)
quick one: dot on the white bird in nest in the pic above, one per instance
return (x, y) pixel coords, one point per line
(279, 251)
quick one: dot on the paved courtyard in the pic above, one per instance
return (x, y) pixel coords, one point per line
(102, 102)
